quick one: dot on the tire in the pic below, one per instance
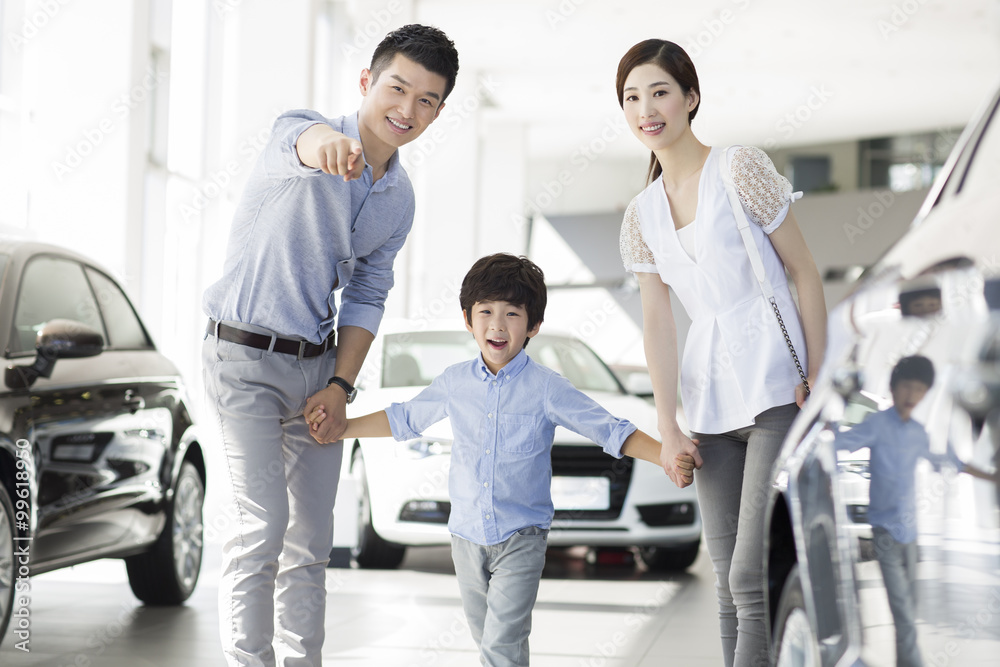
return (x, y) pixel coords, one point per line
(795, 643)
(168, 572)
(662, 559)
(8, 567)
(371, 552)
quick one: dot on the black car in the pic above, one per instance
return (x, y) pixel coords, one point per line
(98, 452)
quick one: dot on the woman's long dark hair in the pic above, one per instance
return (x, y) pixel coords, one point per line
(675, 62)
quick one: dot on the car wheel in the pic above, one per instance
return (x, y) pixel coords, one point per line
(168, 572)
(669, 558)
(371, 552)
(794, 640)
(8, 568)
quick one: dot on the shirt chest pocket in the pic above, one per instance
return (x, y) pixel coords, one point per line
(517, 433)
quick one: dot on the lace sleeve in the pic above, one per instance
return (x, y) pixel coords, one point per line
(764, 193)
(636, 255)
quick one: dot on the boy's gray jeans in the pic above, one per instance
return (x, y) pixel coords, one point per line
(499, 583)
(278, 505)
(733, 485)
(898, 562)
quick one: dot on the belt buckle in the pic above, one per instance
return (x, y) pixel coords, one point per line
(302, 350)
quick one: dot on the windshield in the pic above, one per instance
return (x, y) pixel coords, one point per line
(414, 359)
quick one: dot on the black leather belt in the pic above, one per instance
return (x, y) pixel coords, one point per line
(302, 349)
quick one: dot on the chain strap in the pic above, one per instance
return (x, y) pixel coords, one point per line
(788, 342)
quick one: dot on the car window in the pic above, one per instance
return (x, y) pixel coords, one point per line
(52, 288)
(414, 359)
(124, 329)
(981, 175)
(575, 362)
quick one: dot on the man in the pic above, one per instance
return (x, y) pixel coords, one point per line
(327, 208)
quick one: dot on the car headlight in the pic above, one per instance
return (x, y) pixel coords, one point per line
(421, 448)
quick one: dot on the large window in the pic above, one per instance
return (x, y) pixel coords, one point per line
(904, 162)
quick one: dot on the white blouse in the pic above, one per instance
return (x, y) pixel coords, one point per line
(736, 363)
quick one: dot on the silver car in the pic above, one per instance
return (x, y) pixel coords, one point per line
(933, 294)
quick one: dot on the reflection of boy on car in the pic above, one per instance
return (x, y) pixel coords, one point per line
(896, 442)
(504, 408)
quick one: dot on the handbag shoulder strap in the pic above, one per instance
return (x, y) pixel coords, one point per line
(755, 260)
(743, 224)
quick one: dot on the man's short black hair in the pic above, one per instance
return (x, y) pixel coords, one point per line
(424, 45)
(505, 277)
(916, 368)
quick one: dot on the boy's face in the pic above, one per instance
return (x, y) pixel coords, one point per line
(923, 306)
(401, 103)
(906, 395)
(500, 329)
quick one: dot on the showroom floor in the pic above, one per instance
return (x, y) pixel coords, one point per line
(586, 616)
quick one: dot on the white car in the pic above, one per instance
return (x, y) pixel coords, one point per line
(600, 501)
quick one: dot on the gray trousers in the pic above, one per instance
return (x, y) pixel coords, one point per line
(279, 507)
(898, 563)
(499, 584)
(733, 488)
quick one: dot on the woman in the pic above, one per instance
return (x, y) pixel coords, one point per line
(739, 384)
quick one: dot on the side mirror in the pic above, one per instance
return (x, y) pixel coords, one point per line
(57, 339)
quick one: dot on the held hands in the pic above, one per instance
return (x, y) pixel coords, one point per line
(679, 457)
(326, 414)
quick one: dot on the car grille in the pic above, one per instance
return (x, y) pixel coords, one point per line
(591, 461)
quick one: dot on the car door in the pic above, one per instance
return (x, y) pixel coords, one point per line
(99, 446)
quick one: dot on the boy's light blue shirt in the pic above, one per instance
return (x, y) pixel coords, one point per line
(503, 426)
(298, 235)
(895, 447)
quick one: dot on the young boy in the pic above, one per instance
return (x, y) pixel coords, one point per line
(503, 408)
(326, 208)
(896, 442)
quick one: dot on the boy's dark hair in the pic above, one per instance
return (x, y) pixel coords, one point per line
(504, 277)
(424, 45)
(916, 368)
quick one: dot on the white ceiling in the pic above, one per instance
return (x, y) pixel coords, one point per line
(867, 67)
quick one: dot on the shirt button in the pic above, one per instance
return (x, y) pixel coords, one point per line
(487, 451)
(486, 483)
(494, 383)
(487, 516)
(490, 415)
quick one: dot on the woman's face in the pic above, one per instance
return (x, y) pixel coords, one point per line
(656, 108)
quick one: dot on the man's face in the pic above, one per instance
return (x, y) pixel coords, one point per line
(500, 329)
(400, 104)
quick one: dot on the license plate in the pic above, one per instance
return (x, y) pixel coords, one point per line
(581, 493)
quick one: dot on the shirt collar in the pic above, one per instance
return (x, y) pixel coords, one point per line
(392, 170)
(511, 370)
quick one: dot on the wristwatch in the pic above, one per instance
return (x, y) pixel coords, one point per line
(351, 390)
